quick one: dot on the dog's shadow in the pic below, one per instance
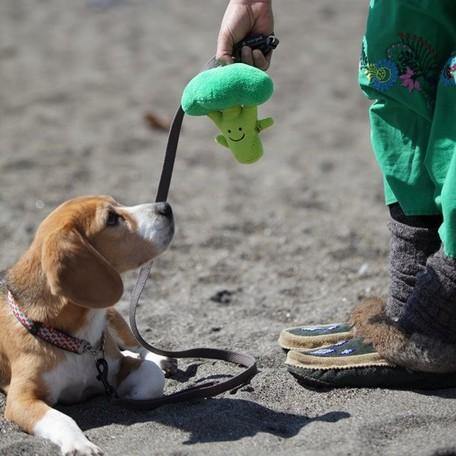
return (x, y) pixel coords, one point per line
(210, 420)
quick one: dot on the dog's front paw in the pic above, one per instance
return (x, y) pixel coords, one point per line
(145, 381)
(167, 365)
(64, 432)
(80, 447)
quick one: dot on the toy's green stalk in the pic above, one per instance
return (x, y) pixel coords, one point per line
(240, 128)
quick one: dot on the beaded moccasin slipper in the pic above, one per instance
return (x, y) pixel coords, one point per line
(306, 337)
(355, 363)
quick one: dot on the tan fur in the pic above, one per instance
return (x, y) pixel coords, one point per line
(72, 267)
(26, 394)
(120, 330)
(77, 272)
(127, 365)
(414, 351)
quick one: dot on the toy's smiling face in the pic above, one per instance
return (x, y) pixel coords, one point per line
(244, 143)
(231, 133)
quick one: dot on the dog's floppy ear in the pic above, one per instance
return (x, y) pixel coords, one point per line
(76, 271)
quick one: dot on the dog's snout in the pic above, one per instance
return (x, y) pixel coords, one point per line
(163, 209)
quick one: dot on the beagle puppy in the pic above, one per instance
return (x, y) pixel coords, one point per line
(59, 330)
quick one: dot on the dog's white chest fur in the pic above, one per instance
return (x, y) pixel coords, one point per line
(75, 378)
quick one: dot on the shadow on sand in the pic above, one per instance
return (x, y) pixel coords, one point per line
(211, 420)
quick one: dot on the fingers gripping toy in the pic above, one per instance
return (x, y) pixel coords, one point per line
(229, 96)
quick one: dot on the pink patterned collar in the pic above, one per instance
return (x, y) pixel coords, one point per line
(53, 336)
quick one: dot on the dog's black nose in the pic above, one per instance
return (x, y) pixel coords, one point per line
(163, 209)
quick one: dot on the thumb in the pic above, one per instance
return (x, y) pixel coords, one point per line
(225, 44)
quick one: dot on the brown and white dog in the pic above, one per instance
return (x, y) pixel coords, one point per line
(68, 280)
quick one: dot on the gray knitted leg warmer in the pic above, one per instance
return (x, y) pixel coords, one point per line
(431, 308)
(410, 247)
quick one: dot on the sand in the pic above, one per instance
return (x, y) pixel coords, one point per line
(298, 237)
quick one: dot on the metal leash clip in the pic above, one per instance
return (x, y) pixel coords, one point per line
(265, 43)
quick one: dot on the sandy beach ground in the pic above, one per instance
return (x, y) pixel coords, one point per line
(298, 237)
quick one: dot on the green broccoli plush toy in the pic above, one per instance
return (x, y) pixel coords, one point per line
(229, 95)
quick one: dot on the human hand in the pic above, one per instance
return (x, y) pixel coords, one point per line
(243, 18)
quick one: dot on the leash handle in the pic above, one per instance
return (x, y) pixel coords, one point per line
(265, 43)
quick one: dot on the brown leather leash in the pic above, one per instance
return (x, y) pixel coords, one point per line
(248, 362)
(204, 390)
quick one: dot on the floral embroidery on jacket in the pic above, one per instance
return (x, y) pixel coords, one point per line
(409, 81)
(382, 75)
(412, 62)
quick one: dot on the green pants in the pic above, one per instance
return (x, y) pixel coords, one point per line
(408, 67)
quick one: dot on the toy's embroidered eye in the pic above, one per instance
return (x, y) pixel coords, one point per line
(229, 131)
(240, 128)
(113, 219)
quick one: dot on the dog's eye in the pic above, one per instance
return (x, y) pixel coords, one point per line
(113, 219)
